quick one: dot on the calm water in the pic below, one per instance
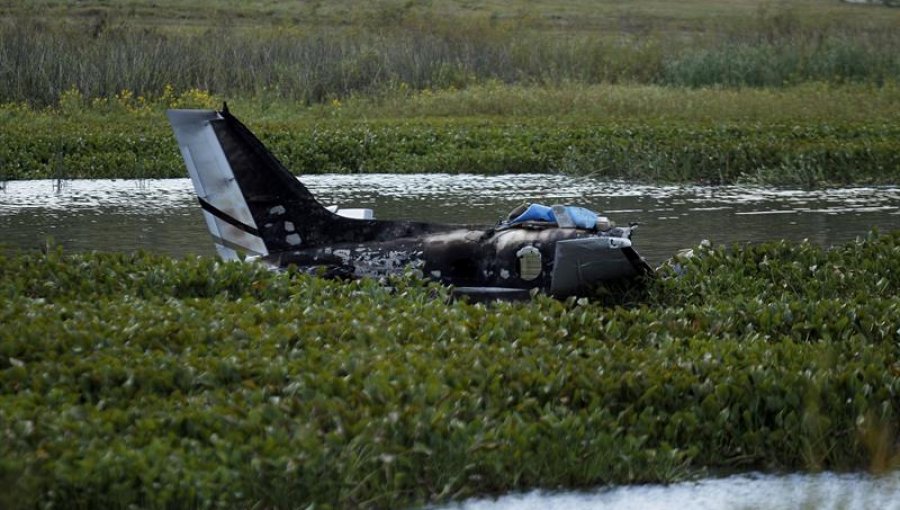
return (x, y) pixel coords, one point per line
(824, 491)
(162, 215)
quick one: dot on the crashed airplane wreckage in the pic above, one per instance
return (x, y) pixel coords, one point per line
(255, 207)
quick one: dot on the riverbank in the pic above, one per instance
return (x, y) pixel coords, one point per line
(140, 379)
(809, 135)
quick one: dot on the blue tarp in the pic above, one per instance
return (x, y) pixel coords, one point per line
(583, 218)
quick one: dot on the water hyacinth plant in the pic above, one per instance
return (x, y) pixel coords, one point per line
(136, 379)
(635, 133)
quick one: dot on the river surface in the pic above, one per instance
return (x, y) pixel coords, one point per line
(823, 491)
(163, 216)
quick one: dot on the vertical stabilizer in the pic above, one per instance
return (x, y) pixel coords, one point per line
(253, 204)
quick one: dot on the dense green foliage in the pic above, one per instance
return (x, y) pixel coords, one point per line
(810, 155)
(138, 379)
(314, 53)
(637, 133)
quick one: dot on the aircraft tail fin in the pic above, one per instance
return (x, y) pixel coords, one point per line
(251, 203)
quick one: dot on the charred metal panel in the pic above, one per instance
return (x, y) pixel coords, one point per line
(456, 257)
(357, 260)
(582, 262)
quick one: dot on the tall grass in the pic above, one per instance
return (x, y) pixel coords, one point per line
(837, 59)
(40, 60)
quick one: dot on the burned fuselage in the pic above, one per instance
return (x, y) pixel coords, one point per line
(254, 206)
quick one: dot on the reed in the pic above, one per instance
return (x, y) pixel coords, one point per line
(41, 59)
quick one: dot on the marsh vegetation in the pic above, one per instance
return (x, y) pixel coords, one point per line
(800, 93)
(140, 379)
(315, 53)
(135, 379)
(647, 133)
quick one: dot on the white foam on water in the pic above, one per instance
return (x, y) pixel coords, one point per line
(825, 491)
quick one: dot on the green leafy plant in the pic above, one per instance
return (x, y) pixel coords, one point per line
(137, 379)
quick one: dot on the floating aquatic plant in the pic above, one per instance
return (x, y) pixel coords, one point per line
(649, 151)
(137, 379)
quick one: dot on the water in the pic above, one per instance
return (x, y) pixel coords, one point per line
(163, 216)
(823, 491)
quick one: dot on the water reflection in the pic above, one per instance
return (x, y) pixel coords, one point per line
(162, 215)
(746, 492)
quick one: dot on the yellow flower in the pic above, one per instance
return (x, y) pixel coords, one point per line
(168, 98)
(195, 98)
(71, 100)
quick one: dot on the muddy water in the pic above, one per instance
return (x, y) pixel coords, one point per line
(823, 491)
(163, 216)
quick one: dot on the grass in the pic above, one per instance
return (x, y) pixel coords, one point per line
(316, 53)
(135, 379)
(623, 103)
(608, 16)
(649, 133)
